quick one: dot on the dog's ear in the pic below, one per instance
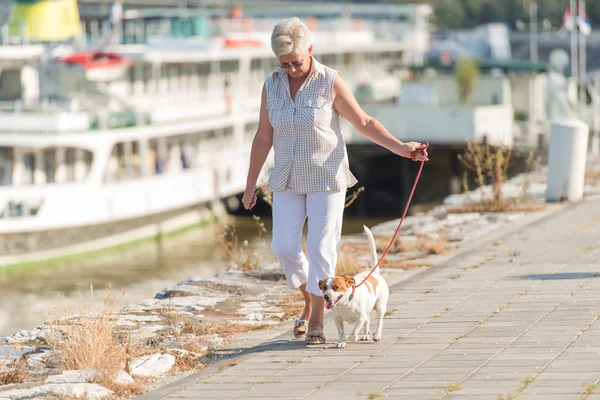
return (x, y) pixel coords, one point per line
(349, 280)
(322, 284)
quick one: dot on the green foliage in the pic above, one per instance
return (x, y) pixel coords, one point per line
(466, 72)
(469, 13)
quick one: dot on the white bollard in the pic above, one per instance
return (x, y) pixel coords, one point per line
(566, 160)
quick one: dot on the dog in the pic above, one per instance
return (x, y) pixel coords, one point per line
(371, 295)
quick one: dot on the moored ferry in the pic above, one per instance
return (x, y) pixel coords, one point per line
(112, 134)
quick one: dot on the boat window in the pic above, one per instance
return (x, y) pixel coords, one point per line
(255, 64)
(136, 164)
(174, 76)
(70, 164)
(229, 65)
(10, 85)
(50, 165)
(28, 169)
(88, 158)
(131, 78)
(327, 59)
(147, 77)
(6, 166)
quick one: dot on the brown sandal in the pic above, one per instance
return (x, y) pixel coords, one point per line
(300, 328)
(317, 333)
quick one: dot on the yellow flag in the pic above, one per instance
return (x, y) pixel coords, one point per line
(45, 20)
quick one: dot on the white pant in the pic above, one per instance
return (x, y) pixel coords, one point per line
(324, 211)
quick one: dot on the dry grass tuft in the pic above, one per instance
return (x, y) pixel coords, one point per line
(513, 205)
(397, 247)
(223, 328)
(290, 310)
(352, 198)
(187, 361)
(430, 246)
(592, 178)
(244, 256)
(291, 305)
(84, 396)
(87, 340)
(592, 174)
(490, 166)
(123, 391)
(347, 264)
(18, 372)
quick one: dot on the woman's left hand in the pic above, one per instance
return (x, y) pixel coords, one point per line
(419, 150)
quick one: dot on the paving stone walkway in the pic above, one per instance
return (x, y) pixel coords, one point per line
(517, 319)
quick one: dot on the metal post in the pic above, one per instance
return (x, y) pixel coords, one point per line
(574, 68)
(582, 62)
(595, 145)
(533, 28)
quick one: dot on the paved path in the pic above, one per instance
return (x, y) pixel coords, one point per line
(517, 319)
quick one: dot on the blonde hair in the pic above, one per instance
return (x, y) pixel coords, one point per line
(290, 36)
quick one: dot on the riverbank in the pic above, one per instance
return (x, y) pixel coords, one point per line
(187, 326)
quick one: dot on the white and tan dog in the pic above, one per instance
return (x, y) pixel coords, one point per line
(371, 295)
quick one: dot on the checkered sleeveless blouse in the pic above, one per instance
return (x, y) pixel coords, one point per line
(308, 145)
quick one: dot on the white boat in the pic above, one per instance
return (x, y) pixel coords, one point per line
(153, 142)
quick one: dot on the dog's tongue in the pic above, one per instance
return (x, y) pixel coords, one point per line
(329, 305)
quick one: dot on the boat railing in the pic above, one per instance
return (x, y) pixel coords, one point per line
(44, 106)
(97, 32)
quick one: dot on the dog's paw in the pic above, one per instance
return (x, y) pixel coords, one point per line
(353, 338)
(364, 338)
(340, 345)
(376, 337)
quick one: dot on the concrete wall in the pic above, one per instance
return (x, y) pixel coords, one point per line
(442, 125)
(488, 90)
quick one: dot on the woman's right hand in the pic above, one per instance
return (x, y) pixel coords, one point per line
(249, 199)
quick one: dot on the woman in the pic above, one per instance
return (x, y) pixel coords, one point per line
(299, 116)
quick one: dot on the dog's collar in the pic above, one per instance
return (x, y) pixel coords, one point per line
(352, 294)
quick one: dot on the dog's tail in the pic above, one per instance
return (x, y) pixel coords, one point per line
(372, 247)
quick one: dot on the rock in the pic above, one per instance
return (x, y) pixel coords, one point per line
(154, 365)
(255, 317)
(79, 376)
(27, 336)
(134, 320)
(146, 332)
(267, 275)
(123, 378)
(194, 308)
(389, 227)
(13, 352)
(37, 361)
(273, 266)
(73, 390)
(170, 293)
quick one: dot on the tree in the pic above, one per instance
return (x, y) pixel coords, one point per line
(466, 72)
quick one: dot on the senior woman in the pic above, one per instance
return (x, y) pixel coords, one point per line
(302, 101)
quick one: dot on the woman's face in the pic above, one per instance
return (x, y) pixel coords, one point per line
(296, 65)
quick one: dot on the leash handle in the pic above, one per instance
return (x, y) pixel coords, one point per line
(424, 146)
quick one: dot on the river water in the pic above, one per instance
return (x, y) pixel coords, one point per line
(28, 296)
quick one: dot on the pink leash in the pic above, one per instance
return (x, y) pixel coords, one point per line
(425, 145)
